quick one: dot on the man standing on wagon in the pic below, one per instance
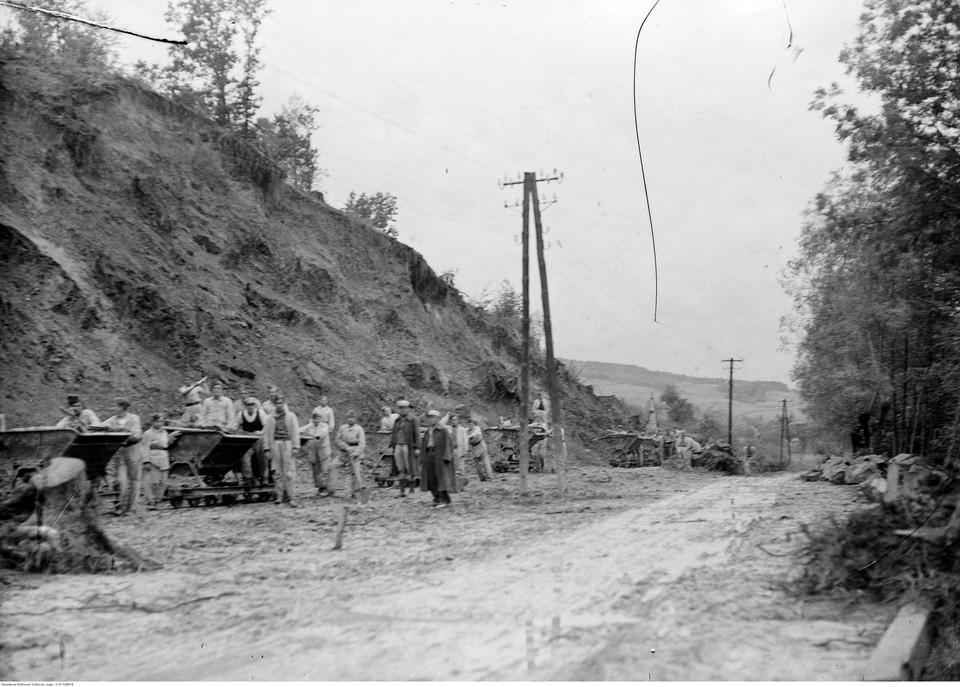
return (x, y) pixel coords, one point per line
(193, 393)
(217, 411)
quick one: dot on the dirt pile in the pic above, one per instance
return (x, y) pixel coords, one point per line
(142, 245)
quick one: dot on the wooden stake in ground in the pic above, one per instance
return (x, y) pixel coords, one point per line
(341, 526)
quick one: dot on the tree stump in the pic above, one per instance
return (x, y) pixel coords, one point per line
(62, 532)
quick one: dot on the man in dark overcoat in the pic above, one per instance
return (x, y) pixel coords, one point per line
(436, 453)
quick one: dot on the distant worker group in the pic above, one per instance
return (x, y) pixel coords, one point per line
(428, 452)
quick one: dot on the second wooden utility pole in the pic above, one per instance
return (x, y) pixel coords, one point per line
(551, 364)
(730, 403)
(785, 436)
(530, 191)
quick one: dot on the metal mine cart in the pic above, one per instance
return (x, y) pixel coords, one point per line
(205, 467)
(633, 450)
(504, 446)
(29, 449)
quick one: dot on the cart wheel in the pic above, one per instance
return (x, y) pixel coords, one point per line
(616, 460)
(176, 502)
(229, 499)
(193, 503)
(210, 500)
(248, 497)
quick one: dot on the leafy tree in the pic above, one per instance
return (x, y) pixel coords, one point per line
(49, 39)
(679, 410)
(215, 72)
(710, 427)
(249, 15)
(875, 285)
(378, 209)
(287, 138)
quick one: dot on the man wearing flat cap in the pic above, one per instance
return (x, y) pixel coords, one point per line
(436, 450)
(405, 440)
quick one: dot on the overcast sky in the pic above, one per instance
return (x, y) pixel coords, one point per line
(435, 101)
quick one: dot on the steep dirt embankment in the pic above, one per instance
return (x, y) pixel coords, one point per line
(140, 244)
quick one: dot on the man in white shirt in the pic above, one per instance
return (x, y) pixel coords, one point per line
(326, 412)
(77, 416)
(352, 440)
(193, 393)
(129, 458)
(217, 411)
(315, 441)
(387, 420)
(686, 447)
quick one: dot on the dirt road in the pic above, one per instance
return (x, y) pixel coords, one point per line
(639, 574)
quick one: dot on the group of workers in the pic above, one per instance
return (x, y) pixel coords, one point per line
(428, 452)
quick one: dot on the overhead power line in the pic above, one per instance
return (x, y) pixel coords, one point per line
(71, 17)
(643, 174)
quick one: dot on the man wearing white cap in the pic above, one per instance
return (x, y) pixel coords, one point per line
(436, 450)
(404, 440)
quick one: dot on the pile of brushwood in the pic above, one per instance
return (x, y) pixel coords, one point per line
(904, 548)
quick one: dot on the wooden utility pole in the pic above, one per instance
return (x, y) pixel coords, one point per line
(529, 185)
(783, 415)
(551, 364)
(785, 436)
(730, 402)
(530, 190)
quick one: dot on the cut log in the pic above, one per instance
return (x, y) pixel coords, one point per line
(63, 531)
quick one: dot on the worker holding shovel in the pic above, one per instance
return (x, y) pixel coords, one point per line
(352, 440)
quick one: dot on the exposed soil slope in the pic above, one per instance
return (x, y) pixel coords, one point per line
(140, 243)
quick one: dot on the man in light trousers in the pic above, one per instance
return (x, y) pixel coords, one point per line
(283, 437)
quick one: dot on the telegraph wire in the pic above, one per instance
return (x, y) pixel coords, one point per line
(80, 20)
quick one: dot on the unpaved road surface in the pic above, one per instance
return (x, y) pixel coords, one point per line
(639, 574)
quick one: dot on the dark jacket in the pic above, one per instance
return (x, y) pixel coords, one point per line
(412, 431)
(439, 471)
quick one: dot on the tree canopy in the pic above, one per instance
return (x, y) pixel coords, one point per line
(679, 410)
(378, 209)
(876, 285)
(49, 39)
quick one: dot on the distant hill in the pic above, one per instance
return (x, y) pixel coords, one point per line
(635, 384)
